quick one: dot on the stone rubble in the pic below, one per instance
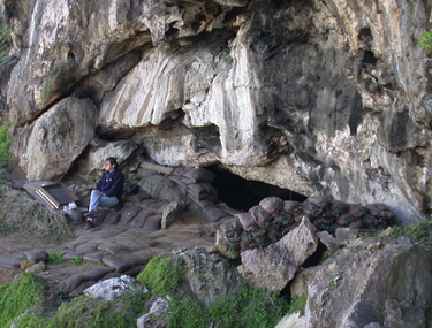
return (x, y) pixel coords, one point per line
(113, 288)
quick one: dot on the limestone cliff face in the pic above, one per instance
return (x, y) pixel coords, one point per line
(318, 96)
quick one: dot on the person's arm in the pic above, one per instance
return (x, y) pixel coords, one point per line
(116, 186)
(100, 183)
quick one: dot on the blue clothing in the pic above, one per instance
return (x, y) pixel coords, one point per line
(98, 199)
(111, 184)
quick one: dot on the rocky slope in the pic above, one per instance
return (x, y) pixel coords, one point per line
(323, 97)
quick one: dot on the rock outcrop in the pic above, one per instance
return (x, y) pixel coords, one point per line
(48, 147)
(372, 284)
(275, 266)
(208, 275)
(113, 288)
(260, 228)
(322, 98)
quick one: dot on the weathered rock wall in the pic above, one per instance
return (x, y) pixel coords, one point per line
(320, 97)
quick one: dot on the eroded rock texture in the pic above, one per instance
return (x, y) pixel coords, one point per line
(320, 97)
(372, 285)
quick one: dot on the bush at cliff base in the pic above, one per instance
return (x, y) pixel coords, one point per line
(19, 296)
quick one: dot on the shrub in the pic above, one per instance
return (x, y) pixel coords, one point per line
(425, 42)
(55, 258)
(187, 313)
(161, 275)
(420, 232)
(86, 312)
(77, 260)
(250, 307)
(18, 296)
(297, 304)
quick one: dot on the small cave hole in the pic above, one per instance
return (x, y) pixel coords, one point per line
(369, 58)
(317, 257)
(242, 194)
(365, 34)
(71, 56)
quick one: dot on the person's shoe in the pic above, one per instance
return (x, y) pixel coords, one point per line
(90, 222)
(87, 214)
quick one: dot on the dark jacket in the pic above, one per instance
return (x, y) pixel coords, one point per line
(111, 184)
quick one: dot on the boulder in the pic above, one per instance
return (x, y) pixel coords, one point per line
(161, 187)
(36, 268)
(294, 320)
(113, 288)
(169, 214)
(301, 242)
(247, 221)
(272, 205)
(36, 256)
(262, 217)
(228, 238)
(372, 283)
(120, 150)
(155, 317)
(272, 267)
(208, 275)
(57, 138)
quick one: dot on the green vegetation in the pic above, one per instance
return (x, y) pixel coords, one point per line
(420, 232)
(30, 320)
(297, 304)
(85, 312)
(77, 260)
(186, 312)
(55, 258)
(4, 145)
(18, 296)
(425, 42)
(250, 307)
(19, 213)
(161, 275)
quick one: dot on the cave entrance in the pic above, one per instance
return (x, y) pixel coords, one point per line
(242, 194)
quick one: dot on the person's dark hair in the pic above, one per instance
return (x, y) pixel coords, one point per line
(112, 161)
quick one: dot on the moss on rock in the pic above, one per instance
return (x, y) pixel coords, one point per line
(161, 275)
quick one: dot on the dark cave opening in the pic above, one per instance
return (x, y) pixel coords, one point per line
(369, 58)
(242, 194)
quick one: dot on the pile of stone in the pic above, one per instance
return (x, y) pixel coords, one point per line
(273, 218)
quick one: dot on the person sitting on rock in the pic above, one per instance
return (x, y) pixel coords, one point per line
(109, 189)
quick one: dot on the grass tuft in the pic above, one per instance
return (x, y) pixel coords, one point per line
(55, 258)
(425, 42)
(77, 260)
(4, 145)
(18, 296)
(161, 275)
(420, 232)
(250, 307)
(186, 312)
(86, 312)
